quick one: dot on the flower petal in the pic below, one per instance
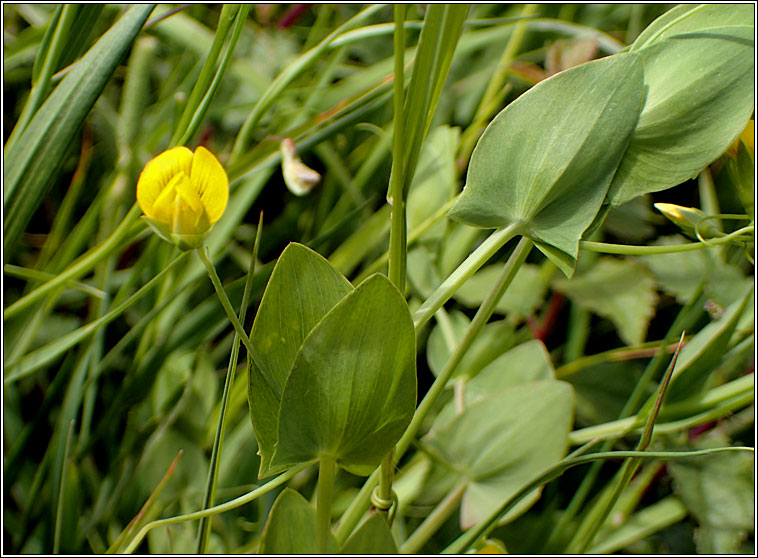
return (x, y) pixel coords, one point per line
(158, 173)
(211, 183)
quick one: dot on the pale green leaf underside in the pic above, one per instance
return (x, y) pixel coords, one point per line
(502, 442)
(700, 97)
(547, 159)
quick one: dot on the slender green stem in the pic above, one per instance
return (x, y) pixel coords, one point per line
(36, 275)
(354, 512)
(218, 441)
(683, 321)
(434, 521)
(644, 350)
(463, 273)
(597, 515)
(226, 303)
(413, 236)
(668, 249)
(493, 96)
(398, 233)
(123, 234)
(327, 468)
(230, 505)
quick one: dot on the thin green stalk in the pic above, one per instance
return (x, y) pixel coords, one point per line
(354, 512)
(463, 273)
(668, 249)
(327, 468)
(493, 95)
(413, 236)
(218, 441)
(123, 234)
(683, 321)
(434, 521)
(398, 233)
(238, 327)
(644, 350)
(62, 491)
(36, 275)
(597, 515)
(221, 508)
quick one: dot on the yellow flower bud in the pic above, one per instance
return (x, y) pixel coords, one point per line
(687, 218)
(182, 194)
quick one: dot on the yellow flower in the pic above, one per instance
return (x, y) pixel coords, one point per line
(182, 194)
(747, 137)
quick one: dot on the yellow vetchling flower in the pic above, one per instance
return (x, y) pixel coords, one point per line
(747, 137)
(182, 194)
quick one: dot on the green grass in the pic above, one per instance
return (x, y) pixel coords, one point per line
(127, 425)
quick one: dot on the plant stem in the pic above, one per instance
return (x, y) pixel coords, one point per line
(463, 272)
(203, 253)
(210, 491)
(496, 88)
(326, 472)
(434, 521)
(398, 233)
(230, 505)
(354, 512)
(669, 249)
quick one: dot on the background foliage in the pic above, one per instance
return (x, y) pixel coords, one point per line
(115, 351)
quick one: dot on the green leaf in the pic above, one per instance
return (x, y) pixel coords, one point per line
(687, 18)
(493, 341)
(742, 175)
(527, 362)
(620, 290)
(700, 96)
(680, 274)
(547, 159)
(291, 527)
(372, 537)
(434, 182)
(352, 389)
(523, 297)
(302, 289)
(502, 442)
(703, 353)
(718, 490)
(33, 161)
